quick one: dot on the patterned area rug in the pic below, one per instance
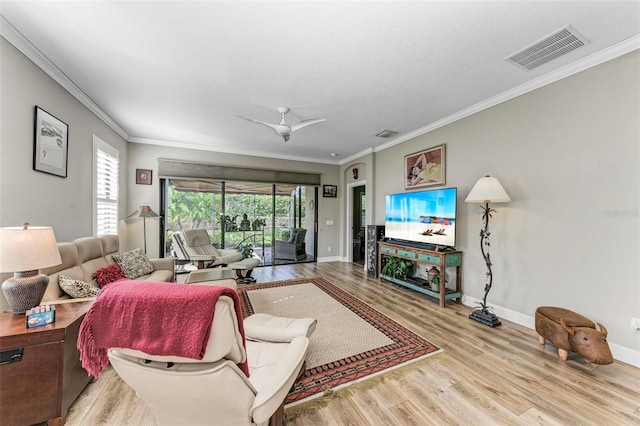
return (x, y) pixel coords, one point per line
(352, 341)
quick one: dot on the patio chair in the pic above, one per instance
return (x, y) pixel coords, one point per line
(294, 248)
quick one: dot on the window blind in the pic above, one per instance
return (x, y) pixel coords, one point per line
(106, 192)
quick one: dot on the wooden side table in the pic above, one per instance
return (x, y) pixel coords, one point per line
(48, 378)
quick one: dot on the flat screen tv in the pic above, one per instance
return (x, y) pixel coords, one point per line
(427, 217)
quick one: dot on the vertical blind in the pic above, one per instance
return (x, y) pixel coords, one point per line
(106, 193)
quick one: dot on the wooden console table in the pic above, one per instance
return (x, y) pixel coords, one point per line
(441, 259)
(43, 382)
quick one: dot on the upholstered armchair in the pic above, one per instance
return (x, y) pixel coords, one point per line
(294, 248)
(215, 390)
(195, 245)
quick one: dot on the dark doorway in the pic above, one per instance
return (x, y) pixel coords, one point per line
(358, 231)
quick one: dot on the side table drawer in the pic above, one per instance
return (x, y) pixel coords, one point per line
(29, 388)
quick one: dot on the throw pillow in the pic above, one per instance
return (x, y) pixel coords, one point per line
(134, 263)
(109, 274)
(77, 288)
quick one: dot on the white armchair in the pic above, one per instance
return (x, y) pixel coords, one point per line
(195, 245)
(214, 390)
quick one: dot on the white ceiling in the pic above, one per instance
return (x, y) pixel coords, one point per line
(178, 72)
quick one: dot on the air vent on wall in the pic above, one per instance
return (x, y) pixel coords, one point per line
(549, 48)
(387, 134)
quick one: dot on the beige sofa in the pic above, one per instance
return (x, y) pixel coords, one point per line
(82, 257)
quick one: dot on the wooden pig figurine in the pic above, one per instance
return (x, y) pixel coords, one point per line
(570, 331)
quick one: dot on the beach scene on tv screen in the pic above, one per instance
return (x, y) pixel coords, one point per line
(427, 217)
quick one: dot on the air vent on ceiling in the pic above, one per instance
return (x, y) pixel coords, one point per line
(387, 134)
(549, 48)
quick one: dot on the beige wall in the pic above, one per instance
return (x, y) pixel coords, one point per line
(36, 197)
(143, 156)
(568, 154)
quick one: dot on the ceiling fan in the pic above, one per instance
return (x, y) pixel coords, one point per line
(283, 129)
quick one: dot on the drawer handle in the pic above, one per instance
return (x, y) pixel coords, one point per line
(11, 356)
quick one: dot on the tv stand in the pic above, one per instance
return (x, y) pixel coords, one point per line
(441, 259)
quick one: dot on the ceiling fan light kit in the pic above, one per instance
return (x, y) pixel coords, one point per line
(282, 128)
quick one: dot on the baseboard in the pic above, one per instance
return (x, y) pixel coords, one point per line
(330, 259)
(620, 353)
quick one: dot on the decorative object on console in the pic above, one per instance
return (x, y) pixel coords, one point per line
(143, 176)
(486, 190)
(144, 212)
(51, 143)
(434, 278)
(24, 250)
(425, 168)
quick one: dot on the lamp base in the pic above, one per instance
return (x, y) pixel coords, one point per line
(485, 317)
(24, 290)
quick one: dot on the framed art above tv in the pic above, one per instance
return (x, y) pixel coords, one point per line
(425, 168)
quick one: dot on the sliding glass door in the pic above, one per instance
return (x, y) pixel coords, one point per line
(272, 222)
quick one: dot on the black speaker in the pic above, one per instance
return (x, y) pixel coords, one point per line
(375, 233)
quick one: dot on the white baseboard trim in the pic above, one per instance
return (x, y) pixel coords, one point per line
(620, 353)
(330, 259)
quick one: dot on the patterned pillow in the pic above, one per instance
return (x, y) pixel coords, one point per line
(108, 274)
(134, 263)
(77, 288)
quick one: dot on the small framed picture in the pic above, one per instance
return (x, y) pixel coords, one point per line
(51, 144)
(143, 177)
(330, 191)
(424, 168)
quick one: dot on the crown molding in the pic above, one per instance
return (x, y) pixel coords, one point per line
(20, 42)
(604, 55)
(356, 156)
(203, 147)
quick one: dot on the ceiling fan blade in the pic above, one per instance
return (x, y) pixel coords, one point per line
(305, 123)
(276, 127)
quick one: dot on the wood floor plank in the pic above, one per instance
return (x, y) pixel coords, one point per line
(485, 376)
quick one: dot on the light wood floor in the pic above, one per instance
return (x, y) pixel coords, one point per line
(484, 377)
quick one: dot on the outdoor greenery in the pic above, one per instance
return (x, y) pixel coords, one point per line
(191, 210)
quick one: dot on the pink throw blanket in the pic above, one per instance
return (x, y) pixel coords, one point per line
(157, 318)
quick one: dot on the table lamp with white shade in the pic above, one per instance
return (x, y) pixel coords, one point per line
(24, 250)
(486, 190)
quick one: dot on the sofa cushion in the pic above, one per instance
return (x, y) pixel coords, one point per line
(109, 274)
(77, 288)
(110, 243)
(89, 248)
(134, 263)
(159, 275)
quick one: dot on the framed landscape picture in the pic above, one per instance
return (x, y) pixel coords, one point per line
(425, 168)
(329, 191)
(50, 145)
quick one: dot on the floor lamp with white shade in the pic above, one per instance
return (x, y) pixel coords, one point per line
(487, 190)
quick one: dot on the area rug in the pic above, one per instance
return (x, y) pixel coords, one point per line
(352, 341)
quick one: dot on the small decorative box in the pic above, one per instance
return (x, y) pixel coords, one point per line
(40, 315)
